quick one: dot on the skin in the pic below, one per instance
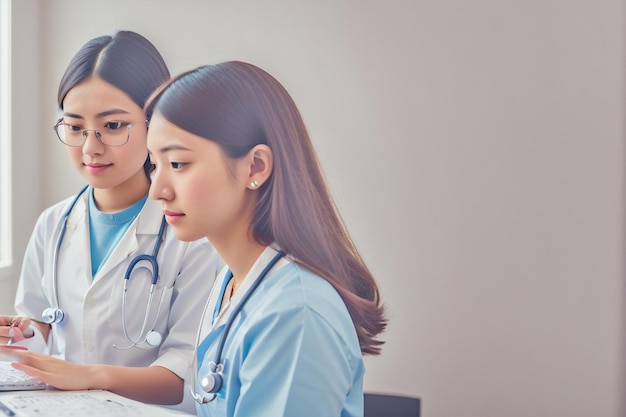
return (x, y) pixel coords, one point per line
(205, 194)
(12, 328)
(116, 173)
(118, 178)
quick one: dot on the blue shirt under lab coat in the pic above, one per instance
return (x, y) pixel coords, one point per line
(293, 351)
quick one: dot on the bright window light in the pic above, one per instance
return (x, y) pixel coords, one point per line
(6, 231)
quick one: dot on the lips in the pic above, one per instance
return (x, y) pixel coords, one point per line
(172, 217)
(96, 168)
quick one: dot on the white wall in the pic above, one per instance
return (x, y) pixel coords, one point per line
(476, 150)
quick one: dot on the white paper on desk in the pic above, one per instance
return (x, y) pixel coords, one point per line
(50, 403)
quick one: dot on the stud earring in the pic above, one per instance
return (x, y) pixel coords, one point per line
(254, 184)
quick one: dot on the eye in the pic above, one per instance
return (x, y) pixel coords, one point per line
(177, 165)
(73, 128)
(115, 125)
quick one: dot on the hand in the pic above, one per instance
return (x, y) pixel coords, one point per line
(14, 329)
(55, 372)
(7, 352)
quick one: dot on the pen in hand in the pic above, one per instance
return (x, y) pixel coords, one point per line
(28, 332)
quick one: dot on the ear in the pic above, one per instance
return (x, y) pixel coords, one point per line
(261, 163)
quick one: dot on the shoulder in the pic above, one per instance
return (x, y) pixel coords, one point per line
(303, 285)
(56, 211)
(294, 303)
(297, 289)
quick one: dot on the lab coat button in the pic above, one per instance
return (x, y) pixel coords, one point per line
(88, 346)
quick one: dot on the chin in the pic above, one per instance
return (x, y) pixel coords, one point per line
(186, 235)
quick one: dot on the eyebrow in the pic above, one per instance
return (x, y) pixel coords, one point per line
(101, 114)
(174, 147)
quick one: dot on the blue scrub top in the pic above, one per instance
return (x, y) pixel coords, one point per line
(293, 351)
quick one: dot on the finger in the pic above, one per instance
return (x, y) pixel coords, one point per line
(19, 322)
(40, 361)
(16, 334)
(6, 331)
(6, 320)
(22, 323)
(47, 372)
(9, 326)
(32, 371)
(6, 326)
(10, 353)
(29, 358)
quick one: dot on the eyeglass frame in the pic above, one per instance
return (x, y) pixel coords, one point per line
(85, 132)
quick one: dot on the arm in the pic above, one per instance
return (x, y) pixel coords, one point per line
(30, 299)
(163, 381)
(152, 384)
(199, 267)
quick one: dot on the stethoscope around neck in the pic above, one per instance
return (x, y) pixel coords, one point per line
(55, 315)
(212, 382)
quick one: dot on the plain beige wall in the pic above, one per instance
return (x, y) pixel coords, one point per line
(476, 150)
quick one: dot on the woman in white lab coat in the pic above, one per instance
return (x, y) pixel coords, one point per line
(233, 162)
(106, 337)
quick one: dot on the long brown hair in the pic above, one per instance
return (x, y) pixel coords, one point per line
(238, 105)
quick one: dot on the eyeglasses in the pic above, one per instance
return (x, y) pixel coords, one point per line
(113, 134)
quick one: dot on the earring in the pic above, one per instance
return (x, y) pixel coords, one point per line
(254, 184)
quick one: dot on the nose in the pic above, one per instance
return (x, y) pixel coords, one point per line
(159, 190)
(93, 145)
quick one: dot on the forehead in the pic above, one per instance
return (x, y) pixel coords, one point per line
(95, 95)
(164, 136)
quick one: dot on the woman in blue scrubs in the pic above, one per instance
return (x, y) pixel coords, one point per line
(281, 335)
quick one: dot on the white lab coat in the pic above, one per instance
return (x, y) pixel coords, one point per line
(93, 307)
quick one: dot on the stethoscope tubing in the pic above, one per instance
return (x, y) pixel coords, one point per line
(155, 277)
(57, 249)
(217, 364)
(238, 307)
(152, 259)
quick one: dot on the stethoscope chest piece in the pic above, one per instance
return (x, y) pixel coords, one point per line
(212, 382)
(52, 315)
(154, 338)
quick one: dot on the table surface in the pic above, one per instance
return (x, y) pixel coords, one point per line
(55, 403)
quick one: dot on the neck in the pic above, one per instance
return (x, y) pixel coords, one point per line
(111, 200)
(240, 258)
(237, 246)
(233, 288)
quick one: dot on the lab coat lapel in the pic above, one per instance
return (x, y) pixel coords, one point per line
(76, 238)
